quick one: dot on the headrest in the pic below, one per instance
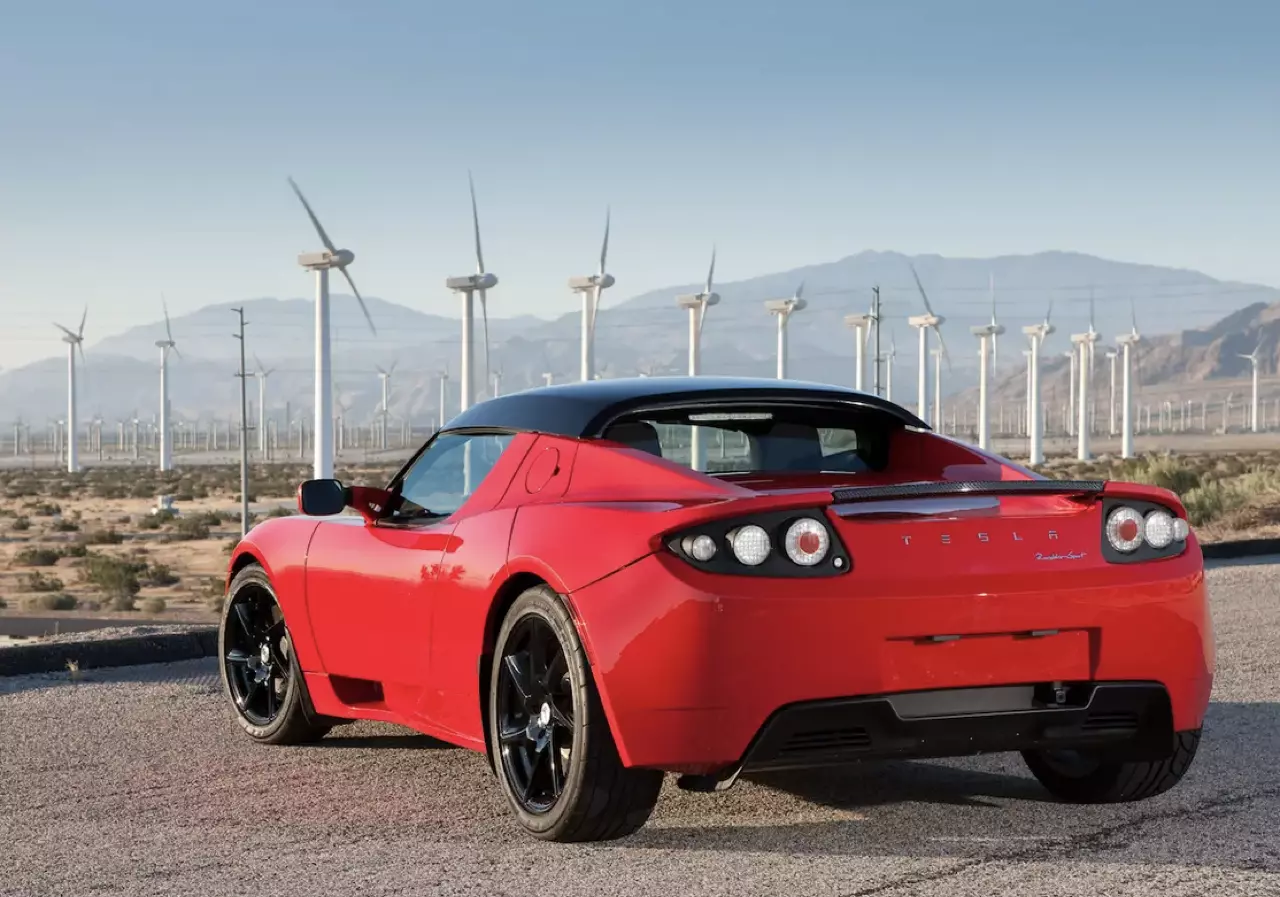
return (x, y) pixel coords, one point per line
(791, 446)
(636, 434)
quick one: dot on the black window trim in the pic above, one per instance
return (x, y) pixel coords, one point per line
(397, 479)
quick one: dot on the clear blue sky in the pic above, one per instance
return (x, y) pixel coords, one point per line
(144, 144)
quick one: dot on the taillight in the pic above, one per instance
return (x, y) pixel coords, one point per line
(1140, 531)
(775, 543)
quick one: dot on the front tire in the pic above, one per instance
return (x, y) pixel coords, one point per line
(1083, 777)
(260, 671)
(554, 754)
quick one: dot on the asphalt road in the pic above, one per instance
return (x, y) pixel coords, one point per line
(135, 782)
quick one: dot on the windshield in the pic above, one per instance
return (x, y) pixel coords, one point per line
(764, 439)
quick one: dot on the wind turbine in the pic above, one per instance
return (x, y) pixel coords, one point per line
(995, 348)
(924, 323)
(986, 334)
(784, 309)
(165, 345)
(74, 341)
(1127, 342)
(1085, 341)
(321, 263)
(385, 377)
(1253, 362)
(888, 368)
(591, 287)
(468, 285)
(861, 325)
(262, 373)
(1112, 356)
(1037, 333)
(697, 305)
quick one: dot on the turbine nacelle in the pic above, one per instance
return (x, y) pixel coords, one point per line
(987, 330)
(934, 321)
(472, 282)
(326, 259)
(582, 284)
(784, 306)
(1040, 330)
(694, 300)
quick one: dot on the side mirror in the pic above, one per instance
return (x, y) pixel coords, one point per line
(322, 498)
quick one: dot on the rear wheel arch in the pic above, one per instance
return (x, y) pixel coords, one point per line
(511, 589)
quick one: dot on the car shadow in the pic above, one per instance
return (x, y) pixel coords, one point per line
(407, 741)
(977, 807)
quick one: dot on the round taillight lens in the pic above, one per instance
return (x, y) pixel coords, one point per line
(807, 542)
(1158, 529)
(750, 544)
(700, 548)
(1181, 529)
(1124, 529)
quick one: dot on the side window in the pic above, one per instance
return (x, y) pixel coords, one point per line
(446, 474)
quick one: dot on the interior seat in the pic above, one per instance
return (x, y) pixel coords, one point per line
(636, 434)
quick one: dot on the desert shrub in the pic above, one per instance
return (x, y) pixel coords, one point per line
(76, 549)
(21, 524)
(150, 522)
(184, 496)
(45, 509)
(35, 581)
(49, 602)
(1207, 503)
(160, 575)
(34, 556)
(108, 536)
(280, 511)
(124, 519)
(117, 603)
(153, 605)
(1166, 473)
(3, 604)
(65, 526)
(112, 576)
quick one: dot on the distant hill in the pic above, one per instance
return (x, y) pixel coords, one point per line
(648, 333)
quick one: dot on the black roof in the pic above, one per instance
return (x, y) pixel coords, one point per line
(583, 409)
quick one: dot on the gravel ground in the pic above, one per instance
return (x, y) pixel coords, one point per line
(135, 781)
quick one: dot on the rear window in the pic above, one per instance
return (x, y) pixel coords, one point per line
(765, 439)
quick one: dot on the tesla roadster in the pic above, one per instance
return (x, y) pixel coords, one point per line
(595, 584)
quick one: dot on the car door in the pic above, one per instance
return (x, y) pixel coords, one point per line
(371, 586)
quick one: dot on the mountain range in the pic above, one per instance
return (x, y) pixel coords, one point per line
(1192, 326)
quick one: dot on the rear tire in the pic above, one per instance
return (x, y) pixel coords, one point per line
(553, 751)
(1082, 777)
(260, 671)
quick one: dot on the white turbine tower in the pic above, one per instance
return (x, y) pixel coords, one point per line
(986, 334)
(1253, 408)
(1037, 333)
(784, 309)
(995, 344)
(924, 323)
(165, 345)
(591, 287)
(467, 286)
(1113, 356)
(1127, 342)
(321, 263)
(262, 373)
(888, 368)
(697, 305)
(74, 341)
(385, 377)
(1085, 341)
(861, 325)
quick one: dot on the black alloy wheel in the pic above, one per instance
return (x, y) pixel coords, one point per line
(535, 714)
(256, 657)
(260, 671)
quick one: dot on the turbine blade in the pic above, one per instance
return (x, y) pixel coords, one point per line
(711, 272)
(475, 220)
(393, 366)
(343, 269)
(604, 247)
(315, 222)
(64, 330)
(82, 319)
(168, 331)
(991, 285)
(942, 344)
(920, 286)
(1133, 313)
(174, 347)
(1049, 314)
(799, 290)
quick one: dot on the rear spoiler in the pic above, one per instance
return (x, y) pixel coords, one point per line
(982, 487)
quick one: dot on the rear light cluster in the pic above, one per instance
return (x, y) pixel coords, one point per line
(788, 543)
(1142, 531)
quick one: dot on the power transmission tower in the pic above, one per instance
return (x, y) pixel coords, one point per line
(244, 431)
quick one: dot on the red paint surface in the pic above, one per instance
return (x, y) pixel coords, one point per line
(690, 664)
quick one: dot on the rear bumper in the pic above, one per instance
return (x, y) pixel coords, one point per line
(695, 679)
(1130, 719)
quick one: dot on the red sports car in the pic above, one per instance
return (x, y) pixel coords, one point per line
(598, 583)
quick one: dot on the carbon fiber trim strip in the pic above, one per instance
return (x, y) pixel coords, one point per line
(987, 487)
